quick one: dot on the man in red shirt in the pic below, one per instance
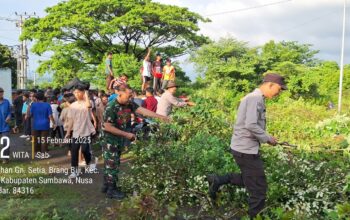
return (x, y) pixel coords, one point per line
(157, 69)
(150, 102)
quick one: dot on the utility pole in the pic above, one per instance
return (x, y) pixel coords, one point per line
(23, 54)
(15, 50)
(342, 61)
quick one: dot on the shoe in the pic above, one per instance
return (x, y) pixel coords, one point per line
(75, 172)
(82, 164)
(5, 161)
(215, 182)
(91, 168)
(114, 193)
(28, 139)
(213, 186)
(73, 175)
(23, 136)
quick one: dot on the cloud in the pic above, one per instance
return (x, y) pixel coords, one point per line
(316, 22)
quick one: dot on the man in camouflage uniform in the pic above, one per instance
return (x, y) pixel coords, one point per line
(115, 132)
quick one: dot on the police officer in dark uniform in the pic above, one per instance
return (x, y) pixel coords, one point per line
(249, 133)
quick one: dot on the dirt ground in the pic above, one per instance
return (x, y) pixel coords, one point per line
(90, 193)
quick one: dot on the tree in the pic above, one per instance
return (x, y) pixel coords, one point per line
(8, 61)
(229, 61)
(79, 33)
(273, 53)
(238, 66)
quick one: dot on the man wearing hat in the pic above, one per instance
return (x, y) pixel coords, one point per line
(168, 100)
(5, 117)
(249, 133)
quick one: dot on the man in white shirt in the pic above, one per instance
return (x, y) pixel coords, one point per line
(146, 71)
(58, 129)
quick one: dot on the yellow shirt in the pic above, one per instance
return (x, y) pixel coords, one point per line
(169, 73)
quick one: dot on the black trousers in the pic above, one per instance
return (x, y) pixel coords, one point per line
(58, 132)
(85, 149)
(28, 126)
(18, 119)
(253, 178)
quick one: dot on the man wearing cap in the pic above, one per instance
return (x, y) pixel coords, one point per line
(5, 117)
(249, 133)
(168, 100)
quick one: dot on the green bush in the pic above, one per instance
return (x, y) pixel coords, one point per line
(302, 184)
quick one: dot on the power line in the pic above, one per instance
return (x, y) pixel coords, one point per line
(246, 9)
(9, 30)
(8, 19)
(6, 38)
(306, 22)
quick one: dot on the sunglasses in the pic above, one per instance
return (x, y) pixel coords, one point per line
(1, 91)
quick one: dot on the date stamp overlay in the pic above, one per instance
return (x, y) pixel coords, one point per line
(28, 171)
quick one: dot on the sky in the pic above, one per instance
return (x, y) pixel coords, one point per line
(316, 22)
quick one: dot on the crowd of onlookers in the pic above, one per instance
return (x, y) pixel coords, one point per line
(74, 115)
(42, 115)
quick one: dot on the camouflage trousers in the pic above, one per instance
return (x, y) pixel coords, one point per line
(111, 155)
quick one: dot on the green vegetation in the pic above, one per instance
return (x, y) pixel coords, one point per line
(307, 182)
(49, 201)
(8, 61)
(80, 33)
(167, 174)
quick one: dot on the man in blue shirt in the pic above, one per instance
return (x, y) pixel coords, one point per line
(5, 117)
(41, 114)
(114, 96)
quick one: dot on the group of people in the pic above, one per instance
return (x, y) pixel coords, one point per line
(249, 133)
(45, 117)
(78, 115)
(119, 113)
(156, 70)
(82, 114)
